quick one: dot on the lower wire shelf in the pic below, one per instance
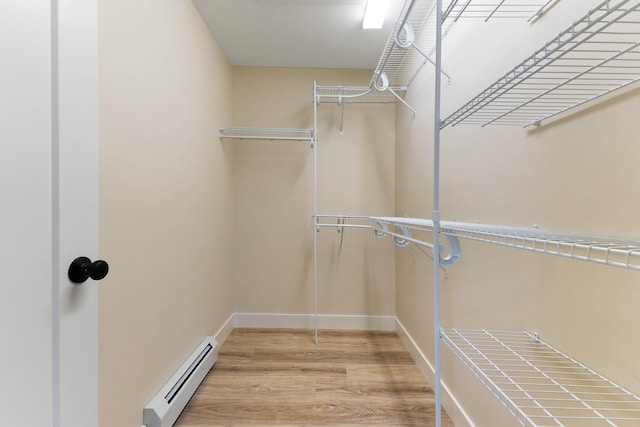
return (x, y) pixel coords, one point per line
(540, 385)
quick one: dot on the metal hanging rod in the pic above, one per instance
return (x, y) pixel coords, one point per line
(595, 56)
(540, 385)
(271, 134)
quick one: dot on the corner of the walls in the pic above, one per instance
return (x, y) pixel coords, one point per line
(224, 331)
(455, 411)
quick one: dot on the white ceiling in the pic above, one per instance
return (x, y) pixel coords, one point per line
(297, 33)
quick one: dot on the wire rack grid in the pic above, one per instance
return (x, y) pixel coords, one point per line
(401, 62)
(486, 10)
(540, 385)
(595, 56)
(354, 95)
(614, 251)
(401, 65)
(600, 249)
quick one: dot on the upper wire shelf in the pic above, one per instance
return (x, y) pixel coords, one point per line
(271, 134)
(341, 95)
(400, 62)
(540, 385)
(412, 40)
(486, 10)
(596, 55)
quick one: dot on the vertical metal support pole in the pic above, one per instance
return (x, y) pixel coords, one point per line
(436, 213)
(315, 210)
(55, 215)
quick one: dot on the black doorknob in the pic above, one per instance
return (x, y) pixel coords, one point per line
(82, 268)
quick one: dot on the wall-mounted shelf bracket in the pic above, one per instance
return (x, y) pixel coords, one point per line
(449, 253)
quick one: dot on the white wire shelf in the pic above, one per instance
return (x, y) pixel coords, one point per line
(609, 250)
(487, 10)
(341, 95)
(400, 64)
(614, 251)
(412, 41)
(540, 385)
(354, 95)
(595, 56)
(271, 134)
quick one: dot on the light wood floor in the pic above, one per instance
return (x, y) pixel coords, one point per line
(280, 377)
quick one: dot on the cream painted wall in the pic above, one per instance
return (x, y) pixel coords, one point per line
(165, 197)
(578, 173)
(273, 193)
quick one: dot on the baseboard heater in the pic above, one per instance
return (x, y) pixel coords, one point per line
(165, 408)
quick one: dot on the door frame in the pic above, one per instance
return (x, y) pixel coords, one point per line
(74, 73)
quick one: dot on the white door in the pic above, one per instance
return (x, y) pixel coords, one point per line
(48, 212)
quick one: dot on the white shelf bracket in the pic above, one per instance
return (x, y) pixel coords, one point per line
(455, 251)
(405, 39)
(403, 101)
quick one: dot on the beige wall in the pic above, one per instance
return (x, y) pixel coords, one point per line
(273, 192)
(165, 197)
(578, 173)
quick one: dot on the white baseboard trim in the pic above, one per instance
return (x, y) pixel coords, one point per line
(224, 331)
(307, 321)
(457, 414)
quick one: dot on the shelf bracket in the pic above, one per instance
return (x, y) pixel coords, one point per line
(399, 241)
(341, 116)
(341, 232)
(455, 251)
(382, 84)
(405, 39)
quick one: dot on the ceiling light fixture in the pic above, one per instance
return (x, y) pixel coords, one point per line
(375, 13)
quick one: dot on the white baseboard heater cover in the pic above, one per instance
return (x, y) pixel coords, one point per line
(165, 408)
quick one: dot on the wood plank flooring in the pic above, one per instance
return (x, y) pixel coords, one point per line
(280, 377)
